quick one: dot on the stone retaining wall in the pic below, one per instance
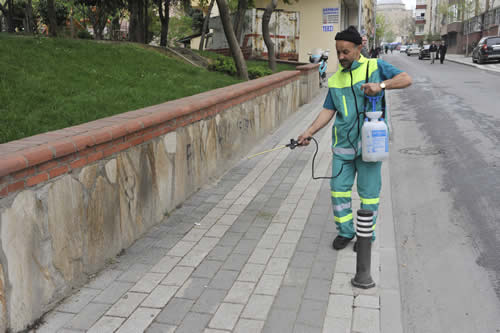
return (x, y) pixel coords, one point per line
(72, 199)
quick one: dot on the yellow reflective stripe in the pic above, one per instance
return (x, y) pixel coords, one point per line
(343, 219)
(343, 79)
(341, 194)
(345, 105)
(336, 139)
(373, 201)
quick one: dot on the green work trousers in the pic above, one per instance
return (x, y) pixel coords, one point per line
(369, 183)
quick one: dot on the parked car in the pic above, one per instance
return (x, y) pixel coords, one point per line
(424, 52)
(403, 48)
(487, 49)
(413, 49)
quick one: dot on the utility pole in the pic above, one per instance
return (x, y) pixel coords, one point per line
(374, 23)
(359, 15)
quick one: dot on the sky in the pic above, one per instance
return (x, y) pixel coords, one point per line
(410, 4)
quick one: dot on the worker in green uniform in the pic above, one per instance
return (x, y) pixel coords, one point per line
(346, 99)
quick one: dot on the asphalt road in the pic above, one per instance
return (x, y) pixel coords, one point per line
(445, 175)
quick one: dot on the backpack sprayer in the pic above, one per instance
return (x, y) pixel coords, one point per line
(374, 138)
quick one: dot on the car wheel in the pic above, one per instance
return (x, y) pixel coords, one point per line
(479, 60)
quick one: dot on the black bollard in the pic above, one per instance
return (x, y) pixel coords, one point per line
(364, 231)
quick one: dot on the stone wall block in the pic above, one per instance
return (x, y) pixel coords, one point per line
(184, 150)
(104, 232)
(26, 280)
(88, 176)
(3, 301)
(163, 189)
(67, 224)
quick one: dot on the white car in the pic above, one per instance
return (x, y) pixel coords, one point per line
(403, 49)
(413, 49)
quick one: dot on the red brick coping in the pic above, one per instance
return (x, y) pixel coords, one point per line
(30, 161)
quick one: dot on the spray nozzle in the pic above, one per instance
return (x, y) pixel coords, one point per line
(293, 143)
(374, 100)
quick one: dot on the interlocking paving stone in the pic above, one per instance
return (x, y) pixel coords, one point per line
(254, 232)
(258, 307)
(139, 320)
(175, 311)
(289, 297)
(312, 313)
(226, 316)
(269, 285)
(240, 292)
(280, 320)
(209, 301)
(251, 272)
(318, 289)
(276, 266)
(88, 316)
(194, 323)
(134, 273)
(224, 279)
(193, 288)
(366, 320)
(126, 305)
(220, 253)
(104, 279)
(160, 328)
(148, 282)
(54, 321)
(249, 326)
(323, 269)
(106, 324)
(160, 296)
(235, 262)
(260, 256)
(113, 292)
(177, 276)
(77, 302)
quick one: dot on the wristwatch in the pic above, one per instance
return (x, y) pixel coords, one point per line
(382, 85)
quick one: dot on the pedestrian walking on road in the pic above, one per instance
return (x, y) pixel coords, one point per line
(433, 50)
(364, 49)
(346, 97)
(442, 51)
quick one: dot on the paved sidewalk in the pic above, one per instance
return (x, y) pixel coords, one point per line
(249, 253)
(459, 58)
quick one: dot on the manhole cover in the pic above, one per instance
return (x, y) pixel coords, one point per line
(421, 151)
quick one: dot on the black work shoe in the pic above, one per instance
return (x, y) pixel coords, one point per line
(341, 242)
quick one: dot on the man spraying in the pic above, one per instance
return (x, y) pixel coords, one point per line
(346, 99)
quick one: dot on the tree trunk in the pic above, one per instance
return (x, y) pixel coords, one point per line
(146, 24)
(239, 60)
(28, 16)
(239, 21)
(164, 19)
(51, 9)
(136, 28)
(267, 36)
(7, 11)
(204, 30)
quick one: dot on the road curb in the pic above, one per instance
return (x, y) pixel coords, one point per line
(473, 65)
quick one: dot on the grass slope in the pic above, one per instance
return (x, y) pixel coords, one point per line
(48, 84)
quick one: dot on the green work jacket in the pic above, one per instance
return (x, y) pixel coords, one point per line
(349, 101)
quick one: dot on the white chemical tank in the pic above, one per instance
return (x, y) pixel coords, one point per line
(374, 138)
